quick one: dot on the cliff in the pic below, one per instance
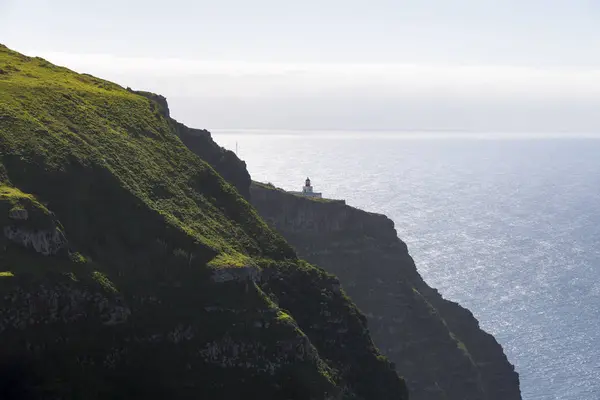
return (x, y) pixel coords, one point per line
(200, 142)
(405, 315)
(129, 268)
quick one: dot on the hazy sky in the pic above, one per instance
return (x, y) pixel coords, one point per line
(483, 65)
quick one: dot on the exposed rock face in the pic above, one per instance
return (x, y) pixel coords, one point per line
(61, 302)
(45, 242)
(228, 274)
(42, 232)
(436, 344)
(20, 214)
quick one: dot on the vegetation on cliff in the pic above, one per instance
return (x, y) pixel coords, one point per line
(129, 268)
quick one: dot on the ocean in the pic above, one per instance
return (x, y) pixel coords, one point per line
(506, 225)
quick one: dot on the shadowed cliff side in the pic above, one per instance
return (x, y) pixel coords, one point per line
(436, 344)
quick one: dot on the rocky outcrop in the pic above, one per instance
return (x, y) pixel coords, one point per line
(436, 344)
(45, 242)
(28, 223)
(236, 274)
(62, 302)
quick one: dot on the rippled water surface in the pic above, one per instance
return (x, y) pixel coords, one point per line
(510, 228)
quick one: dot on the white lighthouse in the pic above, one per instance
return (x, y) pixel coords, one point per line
(307, 190)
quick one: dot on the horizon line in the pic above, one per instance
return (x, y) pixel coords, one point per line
(403, 131)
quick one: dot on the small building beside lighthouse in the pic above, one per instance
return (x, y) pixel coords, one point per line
(307, 190)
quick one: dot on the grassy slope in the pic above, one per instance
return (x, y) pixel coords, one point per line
(146, 220)
(78, 120)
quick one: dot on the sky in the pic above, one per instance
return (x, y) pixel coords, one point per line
(419, 65)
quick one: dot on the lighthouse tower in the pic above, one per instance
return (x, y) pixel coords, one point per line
(307, 189)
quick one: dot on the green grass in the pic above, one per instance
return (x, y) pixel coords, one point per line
(284, 317)
(56, 120)
(462, 347)
(16, 199)
(14, 196)
(103, 280)
(13, 199)
(231, 260)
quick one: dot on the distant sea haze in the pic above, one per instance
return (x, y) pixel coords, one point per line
(407, 134)
(508, 225)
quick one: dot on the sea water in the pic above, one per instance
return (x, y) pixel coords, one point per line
(506, 225)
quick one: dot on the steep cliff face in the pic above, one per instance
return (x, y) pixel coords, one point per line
(200, 142)
(129, 268)
(405, 315)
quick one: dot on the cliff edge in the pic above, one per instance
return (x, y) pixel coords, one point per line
(436, 344)
(201, 143)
